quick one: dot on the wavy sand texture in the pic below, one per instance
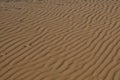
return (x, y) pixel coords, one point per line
(60, 40)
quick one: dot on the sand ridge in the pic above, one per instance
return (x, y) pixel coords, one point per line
(59, 40)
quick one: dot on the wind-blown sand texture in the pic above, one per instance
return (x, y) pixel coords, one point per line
(60, 40)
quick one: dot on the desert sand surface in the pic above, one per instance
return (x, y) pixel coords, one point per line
(59, 39)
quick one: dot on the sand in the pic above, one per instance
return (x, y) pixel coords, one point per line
(60, 40)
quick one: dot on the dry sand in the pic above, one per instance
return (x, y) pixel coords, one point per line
(60, 40)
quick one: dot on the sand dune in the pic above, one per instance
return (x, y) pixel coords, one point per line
(59, 40)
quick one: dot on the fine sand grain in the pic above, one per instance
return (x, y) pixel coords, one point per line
(59, 39)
